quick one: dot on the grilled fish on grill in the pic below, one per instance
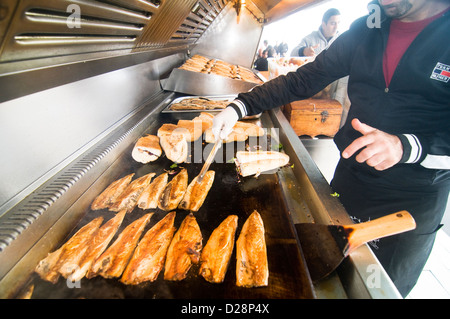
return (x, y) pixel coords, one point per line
(150, 254)
(174, 191)
(196, 192)
(150, 195)
(98, 244)
(216, 254)
(251, 254)
(110, 194)
(67, 256)
(45, 268)
(114, 260)
(127, 200)
(184, 250)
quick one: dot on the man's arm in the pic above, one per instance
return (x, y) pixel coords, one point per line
(430, 151)
(309, 79)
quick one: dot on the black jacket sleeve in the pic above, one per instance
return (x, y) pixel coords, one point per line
(309, 79)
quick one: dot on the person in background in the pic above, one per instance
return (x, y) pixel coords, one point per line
(262, 48)
(395, 143)
(282, 49)
(321, 39)
(261, 63)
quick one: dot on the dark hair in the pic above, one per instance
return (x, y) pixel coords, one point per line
(329, 13)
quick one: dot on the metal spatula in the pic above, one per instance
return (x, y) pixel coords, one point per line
(325, 246)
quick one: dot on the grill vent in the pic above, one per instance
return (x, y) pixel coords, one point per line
(30, 209)
(76, 26)
(198, 20)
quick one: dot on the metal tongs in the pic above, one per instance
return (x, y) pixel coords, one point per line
(212, 154)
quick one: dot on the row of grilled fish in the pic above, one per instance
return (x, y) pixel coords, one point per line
(124, 194)
(86, 253)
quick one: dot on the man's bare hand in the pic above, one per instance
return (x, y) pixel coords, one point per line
(310, 51)
(378, 149)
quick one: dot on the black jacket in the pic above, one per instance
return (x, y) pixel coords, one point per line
(415, 106)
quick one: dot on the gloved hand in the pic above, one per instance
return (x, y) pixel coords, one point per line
(223, 123)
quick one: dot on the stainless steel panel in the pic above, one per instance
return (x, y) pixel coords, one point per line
(19, 78)
(196, 83)
(47, 129)
(38, 223)
(360, 275)
(228, 40)
(55, 28)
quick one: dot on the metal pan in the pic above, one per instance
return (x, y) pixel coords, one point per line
(196, 83)
(227, 98)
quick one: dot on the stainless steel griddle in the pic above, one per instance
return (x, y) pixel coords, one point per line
(73, 101)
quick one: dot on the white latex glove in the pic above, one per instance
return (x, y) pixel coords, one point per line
(223, 123)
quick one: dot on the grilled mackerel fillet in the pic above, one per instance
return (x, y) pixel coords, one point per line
(65, 259)
(196, 192)
(127, 200)
(251, 253)
(199, 104)
(184, 250)
(216, 254)
(150, 254)
(149, 197)
(174, 191)
(113, 261)
(110, 194)
(97, 245)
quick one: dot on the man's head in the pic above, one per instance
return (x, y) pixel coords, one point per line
(330, 22)
(409, 10)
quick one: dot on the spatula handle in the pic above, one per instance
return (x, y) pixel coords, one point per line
(378, 228)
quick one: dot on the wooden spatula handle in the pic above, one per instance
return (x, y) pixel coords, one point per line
(378, 228)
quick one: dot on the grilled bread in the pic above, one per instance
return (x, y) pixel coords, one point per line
(147, 149)
(175, 146)
(254, 163)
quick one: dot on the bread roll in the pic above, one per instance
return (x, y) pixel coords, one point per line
(175, 147)
(147, 149)
(254, 163)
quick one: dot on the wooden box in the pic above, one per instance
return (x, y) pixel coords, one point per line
(314, 116)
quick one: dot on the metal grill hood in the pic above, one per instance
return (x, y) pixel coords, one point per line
(31, 29)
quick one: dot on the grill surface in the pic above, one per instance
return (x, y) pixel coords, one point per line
(230, 194)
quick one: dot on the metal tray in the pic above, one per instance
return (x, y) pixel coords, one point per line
(228, 98)
(195, 83)
(215, 97)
